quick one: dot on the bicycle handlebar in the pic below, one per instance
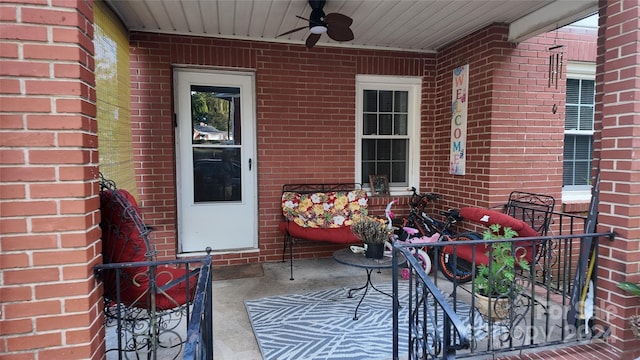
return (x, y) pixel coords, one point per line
(416, 198)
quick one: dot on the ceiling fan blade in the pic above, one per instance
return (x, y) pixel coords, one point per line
(340, 33)
(292, 31)
(312, 40)
(338, 19)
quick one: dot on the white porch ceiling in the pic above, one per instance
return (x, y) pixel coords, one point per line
(413, 25)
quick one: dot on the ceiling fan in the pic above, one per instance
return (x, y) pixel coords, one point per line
(334, 24)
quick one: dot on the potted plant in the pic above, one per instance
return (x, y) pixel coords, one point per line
(634, 320)
(495, 283)
(373, 232)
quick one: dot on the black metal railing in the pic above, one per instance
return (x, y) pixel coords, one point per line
(536, 304)
(199, 344)
(152, 322)
(434, 327)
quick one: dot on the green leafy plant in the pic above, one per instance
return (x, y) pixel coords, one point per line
(634, 320)
(630, 287)
(497, 279)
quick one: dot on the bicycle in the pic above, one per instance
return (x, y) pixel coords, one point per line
(454, 269)
(410, 238)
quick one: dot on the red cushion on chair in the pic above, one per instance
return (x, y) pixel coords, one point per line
(489, 217)
(123, 242)
(340, 235)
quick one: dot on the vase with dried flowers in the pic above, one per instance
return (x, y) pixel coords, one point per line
(373, 232)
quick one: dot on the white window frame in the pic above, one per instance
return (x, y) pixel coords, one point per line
(580, 71)
(413, 85)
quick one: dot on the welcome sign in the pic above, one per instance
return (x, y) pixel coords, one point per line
(459, 98)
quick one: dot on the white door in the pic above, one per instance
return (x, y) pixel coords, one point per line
(216, 165)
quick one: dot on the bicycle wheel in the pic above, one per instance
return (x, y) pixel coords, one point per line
(424, 259)
(456, 269)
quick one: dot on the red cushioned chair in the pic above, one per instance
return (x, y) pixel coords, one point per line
(527, 214)
(143, 296)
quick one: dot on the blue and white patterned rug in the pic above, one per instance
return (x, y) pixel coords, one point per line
(320, 325)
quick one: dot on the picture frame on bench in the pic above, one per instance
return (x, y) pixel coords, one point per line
(379, 184)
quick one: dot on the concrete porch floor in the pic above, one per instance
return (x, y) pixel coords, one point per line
(232, 334)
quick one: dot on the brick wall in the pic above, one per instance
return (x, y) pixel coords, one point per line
(617, 145)
(304, 98)
(49, 302)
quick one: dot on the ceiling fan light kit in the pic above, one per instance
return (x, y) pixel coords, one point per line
(334, 24)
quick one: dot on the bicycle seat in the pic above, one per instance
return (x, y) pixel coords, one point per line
(452, 214)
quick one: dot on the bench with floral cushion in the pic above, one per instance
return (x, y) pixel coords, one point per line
(321, 212)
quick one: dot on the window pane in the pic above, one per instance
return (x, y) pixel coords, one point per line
(368, 150)
(582, 148)
(401, 103)
(384, 150)
(582, 173)
(400, 124)
(586, 118)
(573, 91)
(399, 150)
(370, 124)
(398, 173)
(587, 92)
(571, 118)
(368, 168)
(386, 124)
(370, 102)
(576, 169)
(383, 168)
(386, 101)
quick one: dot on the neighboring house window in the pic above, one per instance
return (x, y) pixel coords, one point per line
(578, 131)
(387, 130)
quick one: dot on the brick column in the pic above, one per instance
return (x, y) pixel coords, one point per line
(49, 301)
(618, 147)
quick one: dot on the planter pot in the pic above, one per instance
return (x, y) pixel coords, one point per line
(375, 251)
(499, 307)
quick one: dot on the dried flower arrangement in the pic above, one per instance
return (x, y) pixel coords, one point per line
(371, 230)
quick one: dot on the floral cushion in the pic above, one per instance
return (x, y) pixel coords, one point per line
(332, 209)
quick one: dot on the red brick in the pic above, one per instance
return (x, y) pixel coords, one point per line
(28, 139)
(56, 257)
(13, 327)
(65, 289)
(59, 156)
(9, 261)
(37, 341)
(26, 104)
(9, 86)
(23, 32)
(8, 156)
(11, 121)
(32, 275)
(60, 189)
(28, 208)
(21, 68)
(15, 293)
(57, 122)
(59, 322)
(27, 174)
(31, 309)
(12, 226)
(57, 223)
(29, 242)
(51, 17)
